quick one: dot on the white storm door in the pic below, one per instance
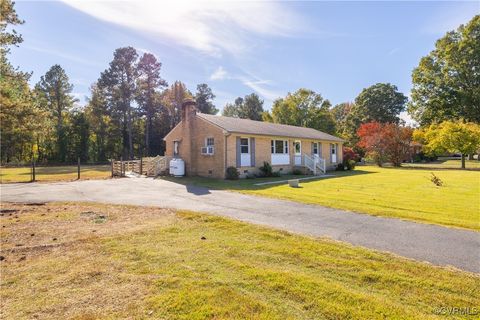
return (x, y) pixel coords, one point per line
(333, 152)
(316, 154)
(297, 149)
(245, 158)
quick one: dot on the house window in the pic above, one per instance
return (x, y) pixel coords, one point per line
(244, 146)
(315, 148)
(175, 148)
(279, 146)
(209, 148)
(280, 154)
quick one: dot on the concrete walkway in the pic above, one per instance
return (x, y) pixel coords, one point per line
(435, 244)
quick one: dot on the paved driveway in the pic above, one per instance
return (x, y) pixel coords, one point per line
(435, 244)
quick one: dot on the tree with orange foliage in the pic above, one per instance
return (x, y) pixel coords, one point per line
(385, 142)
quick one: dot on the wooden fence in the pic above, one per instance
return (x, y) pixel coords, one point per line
(151, 166)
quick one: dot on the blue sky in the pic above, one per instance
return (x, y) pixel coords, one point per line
(271, 48)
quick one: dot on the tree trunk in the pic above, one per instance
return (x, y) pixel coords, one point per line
(147, 134)
(124, 137)
(130, 137)
(463, 161)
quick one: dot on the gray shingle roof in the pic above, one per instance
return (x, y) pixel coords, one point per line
(236, 125)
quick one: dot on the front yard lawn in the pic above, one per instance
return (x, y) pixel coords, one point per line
(92, 261)
(391, 192)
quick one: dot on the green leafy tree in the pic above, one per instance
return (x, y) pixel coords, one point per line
(249, 107)
(119, 84)
(204, 99)
(380, 103)
(101, 125)
(233, 109)
(267, 116)
(451, 137)
(304, 108)
(55, 91)
(252, 107)
(160, 126)
(446, 83)
(149, 84)
(340, 113)
(79, 136)
(21, 118)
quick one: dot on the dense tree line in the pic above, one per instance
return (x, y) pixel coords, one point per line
(131, 107)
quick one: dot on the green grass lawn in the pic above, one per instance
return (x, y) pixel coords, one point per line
(152, 263)
(392, 192)
(54, 173)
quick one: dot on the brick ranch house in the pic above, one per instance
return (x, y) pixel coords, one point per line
(209, 144)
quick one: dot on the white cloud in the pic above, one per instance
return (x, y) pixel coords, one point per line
(219, 74)
(261, 87)
(210, 27)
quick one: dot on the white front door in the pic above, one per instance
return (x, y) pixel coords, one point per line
(297, 149)
(245, 158)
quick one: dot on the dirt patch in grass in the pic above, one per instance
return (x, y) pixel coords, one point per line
(90, 261)
(54, 267)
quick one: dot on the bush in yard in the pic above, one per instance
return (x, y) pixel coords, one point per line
(350, 158)
(350, 164)
(350, 154)
(340, 167)
(266, 169)
(232, 173)
(276, 174)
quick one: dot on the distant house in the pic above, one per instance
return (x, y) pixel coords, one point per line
(210, 144)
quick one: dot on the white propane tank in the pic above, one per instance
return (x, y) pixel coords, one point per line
(177, 167)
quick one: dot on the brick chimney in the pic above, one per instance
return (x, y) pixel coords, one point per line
(189, 110)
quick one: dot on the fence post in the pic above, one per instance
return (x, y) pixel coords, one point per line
(121, 166)
(33, 169)
(111, 165)
(141, 165)
(78, 169)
